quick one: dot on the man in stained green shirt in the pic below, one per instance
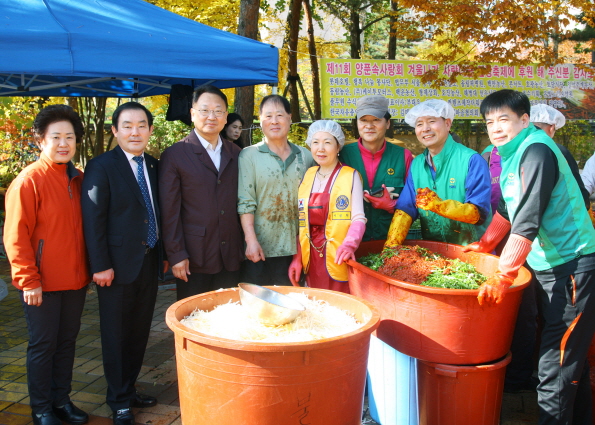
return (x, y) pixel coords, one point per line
(269, 175)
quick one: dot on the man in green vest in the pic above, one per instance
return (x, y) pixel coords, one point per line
(383, 166)
(550, 228)
(448, 187)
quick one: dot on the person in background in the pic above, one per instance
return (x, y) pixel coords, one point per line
(121, 219)
(270, 173)
(382, 165)
(550, 120)
(588, 175)
(43, 236)
(331, 213)
(232, 130)
(543, 210)
(198, 186)
(448, 187)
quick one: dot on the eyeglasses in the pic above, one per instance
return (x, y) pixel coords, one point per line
(206, 112)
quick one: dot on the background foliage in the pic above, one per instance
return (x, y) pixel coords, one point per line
(473, 34)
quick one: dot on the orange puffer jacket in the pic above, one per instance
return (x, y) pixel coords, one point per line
(43, 232)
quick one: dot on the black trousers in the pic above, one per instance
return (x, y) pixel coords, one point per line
(568, 308)
(272, 271)
(126, 313)
(203, 282)
(53, 327)
(524, 340)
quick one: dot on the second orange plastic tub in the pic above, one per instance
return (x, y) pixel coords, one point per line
(439, 325)
(226, 382)
(456, 395)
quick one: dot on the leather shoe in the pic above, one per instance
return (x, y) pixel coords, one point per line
(142, 400)
(123, 417)
(46, 419)
(71, 414)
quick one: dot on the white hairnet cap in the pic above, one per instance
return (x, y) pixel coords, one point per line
(548, 115)
(330, 127)
(430, 108)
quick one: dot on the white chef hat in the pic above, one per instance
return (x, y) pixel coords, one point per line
(548, 115)
(430, 108)
(330, 127)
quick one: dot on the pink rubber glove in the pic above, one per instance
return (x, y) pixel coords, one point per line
(495, 232)
(295, 268)
(385, 202)
(346, 250)
(513, 257)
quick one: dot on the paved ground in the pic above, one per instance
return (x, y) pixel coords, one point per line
(158, 376)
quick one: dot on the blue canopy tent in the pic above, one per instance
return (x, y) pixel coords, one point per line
(117, 48)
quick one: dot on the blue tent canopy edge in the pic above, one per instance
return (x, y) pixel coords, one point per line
(114, 48)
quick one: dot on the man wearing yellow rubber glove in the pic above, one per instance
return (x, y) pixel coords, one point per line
(550, 227)
(448, 186)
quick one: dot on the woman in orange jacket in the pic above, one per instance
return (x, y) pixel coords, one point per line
(44, 241)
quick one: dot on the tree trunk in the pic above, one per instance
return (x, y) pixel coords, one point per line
(392, 38)
(556, 36)
(293, 23)
(244, 96)
(77, 155)
(355, 31)
(85, 146)
(313, 60)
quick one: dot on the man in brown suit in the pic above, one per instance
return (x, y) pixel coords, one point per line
(198, 188)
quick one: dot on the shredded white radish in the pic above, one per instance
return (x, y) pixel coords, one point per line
(231, 321)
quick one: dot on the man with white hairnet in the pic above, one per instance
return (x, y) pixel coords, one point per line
(448, 187)
(383, 166)
(331, 212)
(550, 120)
(547, 118)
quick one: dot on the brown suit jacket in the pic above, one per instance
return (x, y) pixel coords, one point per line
(199, 218)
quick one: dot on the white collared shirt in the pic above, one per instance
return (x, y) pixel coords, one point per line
(134, 166)
(215, 154)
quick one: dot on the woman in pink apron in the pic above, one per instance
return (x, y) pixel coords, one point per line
(331, 213)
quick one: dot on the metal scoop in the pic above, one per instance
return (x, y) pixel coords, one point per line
(268, 306)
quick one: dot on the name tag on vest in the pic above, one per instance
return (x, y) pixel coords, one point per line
(341, 215)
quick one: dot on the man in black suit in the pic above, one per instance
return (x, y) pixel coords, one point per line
(120, 217)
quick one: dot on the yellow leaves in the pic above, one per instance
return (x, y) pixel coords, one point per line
(222, 14)
(471, 32)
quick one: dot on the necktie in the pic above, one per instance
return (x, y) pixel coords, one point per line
(144, 189)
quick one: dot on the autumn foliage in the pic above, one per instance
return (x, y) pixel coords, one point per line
(483, 32)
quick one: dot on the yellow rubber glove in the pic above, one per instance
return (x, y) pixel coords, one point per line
(592, 217)
(399, 227)
(454, 210)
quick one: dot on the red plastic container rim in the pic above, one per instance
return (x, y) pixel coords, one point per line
(484, 367)
(524, 274)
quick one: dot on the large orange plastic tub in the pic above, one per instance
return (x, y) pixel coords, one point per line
(455, 395)
(228, 382)
(439, 325)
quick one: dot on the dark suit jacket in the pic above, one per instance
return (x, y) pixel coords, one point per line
(115, 218)
(199, 206)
